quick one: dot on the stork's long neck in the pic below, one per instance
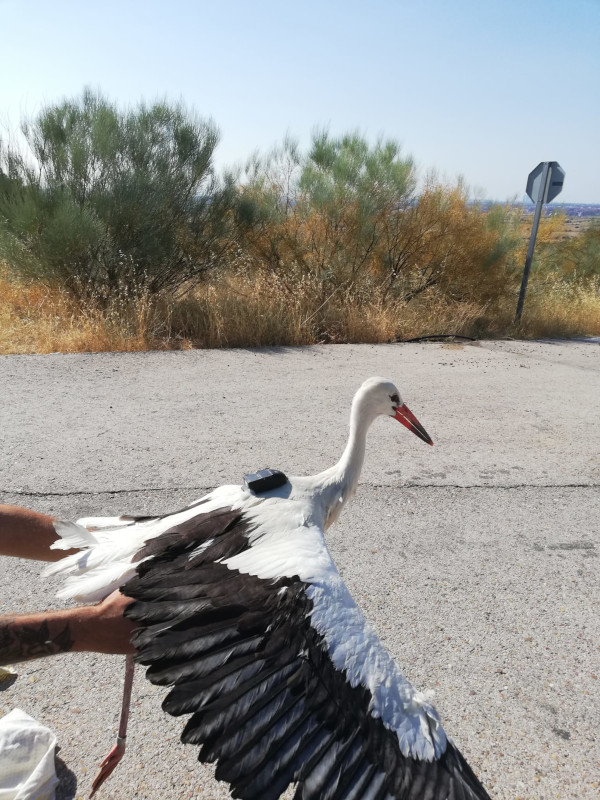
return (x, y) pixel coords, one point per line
(350, 464)
(343, 477)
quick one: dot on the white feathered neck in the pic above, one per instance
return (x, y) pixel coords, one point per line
(336, 485)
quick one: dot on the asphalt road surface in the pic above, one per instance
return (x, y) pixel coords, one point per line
(475, 560)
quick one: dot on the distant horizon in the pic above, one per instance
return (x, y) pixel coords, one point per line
(552, 203)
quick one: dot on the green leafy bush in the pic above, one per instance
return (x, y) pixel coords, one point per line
(108, 199)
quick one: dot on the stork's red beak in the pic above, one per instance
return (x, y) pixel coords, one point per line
(408, 419)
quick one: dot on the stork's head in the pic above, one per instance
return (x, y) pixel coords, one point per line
(378, 396)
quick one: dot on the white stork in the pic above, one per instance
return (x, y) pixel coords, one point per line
(243, 613)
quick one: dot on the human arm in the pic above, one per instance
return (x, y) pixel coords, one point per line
(28, 534)
(98, 629)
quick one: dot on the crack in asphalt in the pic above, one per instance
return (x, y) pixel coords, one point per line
(159, 489)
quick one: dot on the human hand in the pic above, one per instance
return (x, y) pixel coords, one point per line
(105, 629)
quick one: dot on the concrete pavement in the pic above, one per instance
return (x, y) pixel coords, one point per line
(476, 560)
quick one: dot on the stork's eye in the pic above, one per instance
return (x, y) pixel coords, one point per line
(395, 399)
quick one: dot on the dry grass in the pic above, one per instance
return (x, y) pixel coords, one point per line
(37, 319)
(563, 312)
(245, 311)
(260, 310)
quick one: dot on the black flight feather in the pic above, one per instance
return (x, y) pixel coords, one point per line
(265, 701)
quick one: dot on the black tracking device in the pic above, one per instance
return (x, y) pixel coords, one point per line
(264, 480)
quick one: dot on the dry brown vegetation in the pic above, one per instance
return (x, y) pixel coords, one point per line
(233, 312)
(248, 306)
(116, 234)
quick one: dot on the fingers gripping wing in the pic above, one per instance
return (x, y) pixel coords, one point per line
(266, 701)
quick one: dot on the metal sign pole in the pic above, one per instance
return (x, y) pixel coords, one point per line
(536, 221)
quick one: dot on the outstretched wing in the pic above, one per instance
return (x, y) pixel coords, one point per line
(252, 627)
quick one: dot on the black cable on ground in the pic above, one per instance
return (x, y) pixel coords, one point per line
(432, 337)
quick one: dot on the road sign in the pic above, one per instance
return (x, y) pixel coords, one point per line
(543, 184)
(554, 185)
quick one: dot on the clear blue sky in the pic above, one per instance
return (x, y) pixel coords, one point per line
(484, 89)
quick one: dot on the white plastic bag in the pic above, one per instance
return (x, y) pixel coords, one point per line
(27, 770)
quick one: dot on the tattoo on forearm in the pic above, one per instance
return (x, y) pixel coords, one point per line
(24, 641)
